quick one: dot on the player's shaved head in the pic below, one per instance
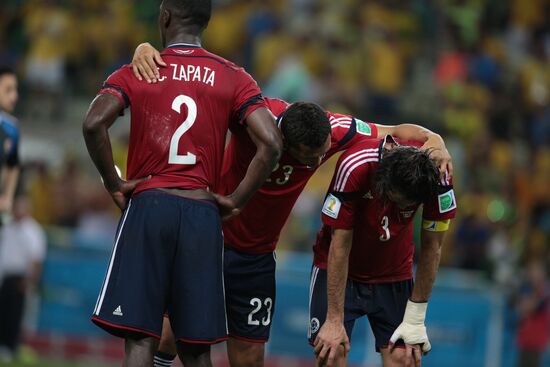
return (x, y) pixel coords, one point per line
(193, 15)
(306, 124)
(408, 173)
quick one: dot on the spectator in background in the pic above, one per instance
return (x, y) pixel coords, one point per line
(22, 252)
(9, 139)
(533, 307)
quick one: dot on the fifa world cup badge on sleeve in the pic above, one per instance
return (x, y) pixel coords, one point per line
(447, 201)
(332, 206)
(363, 128)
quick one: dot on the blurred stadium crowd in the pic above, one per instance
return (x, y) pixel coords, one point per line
(475, 71)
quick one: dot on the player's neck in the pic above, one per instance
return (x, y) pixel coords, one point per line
(186, 38)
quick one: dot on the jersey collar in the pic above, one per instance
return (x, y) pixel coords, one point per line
(184, 45)
(383, 143)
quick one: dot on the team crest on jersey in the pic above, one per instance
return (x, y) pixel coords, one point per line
(447, 201)
(362, 127)
(314, 325)
(332, 206)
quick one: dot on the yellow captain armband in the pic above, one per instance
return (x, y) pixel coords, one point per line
(436, 225)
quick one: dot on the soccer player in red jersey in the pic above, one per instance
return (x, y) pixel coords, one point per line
(311, 136)
(363, 262)
(168, 252)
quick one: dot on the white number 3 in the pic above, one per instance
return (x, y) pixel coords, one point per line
(257, 303)
(174, 157)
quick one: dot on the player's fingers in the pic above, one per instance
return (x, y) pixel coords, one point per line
(409, 359)
(159, 60)
(324, 351)
(317, 345)
(143, 73)
(153, 67)
(450, 168)
(347, 346)
(136, 72)
(331, 357)
(145, 63)
(417, 356)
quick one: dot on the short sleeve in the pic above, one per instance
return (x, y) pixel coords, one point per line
(351, 175)
(248, 97)
(347, 130)
(118, 84)
(441, 207)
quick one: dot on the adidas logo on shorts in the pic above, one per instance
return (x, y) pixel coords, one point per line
(118, 311)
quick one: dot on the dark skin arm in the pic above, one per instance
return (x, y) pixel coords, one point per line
(266, 136)
(101, 115)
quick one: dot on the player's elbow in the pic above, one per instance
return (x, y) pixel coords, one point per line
(91, 125)
(272, 147)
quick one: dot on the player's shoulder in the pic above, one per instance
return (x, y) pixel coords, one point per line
(364, 147)
(121, 72)
(276, 106)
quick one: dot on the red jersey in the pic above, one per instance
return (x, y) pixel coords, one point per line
(383, 248)
(256, 229)
(179, 124)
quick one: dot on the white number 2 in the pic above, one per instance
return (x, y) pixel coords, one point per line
(257, 303)
(386, 227)
(174, 157)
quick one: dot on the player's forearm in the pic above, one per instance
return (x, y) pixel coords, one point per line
(428, 265)
(337, 273)
(266, 136)
(410, 132)
(258, 171)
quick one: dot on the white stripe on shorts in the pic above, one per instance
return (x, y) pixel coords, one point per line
(106, 281)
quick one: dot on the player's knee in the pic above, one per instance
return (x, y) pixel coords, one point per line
(245, 354)
(397, 357)
(193, 354)
(168, 346)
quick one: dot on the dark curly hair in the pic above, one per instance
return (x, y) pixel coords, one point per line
(408, 171)
(305, 123)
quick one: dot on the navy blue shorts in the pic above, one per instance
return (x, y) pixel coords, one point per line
(250, 294)
(167, 257)
(384, 304)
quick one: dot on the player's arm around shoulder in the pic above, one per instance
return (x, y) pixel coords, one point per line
(430, 140)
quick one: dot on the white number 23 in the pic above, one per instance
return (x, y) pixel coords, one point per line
(257, 303)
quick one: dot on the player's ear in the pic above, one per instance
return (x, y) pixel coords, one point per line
(165, 17)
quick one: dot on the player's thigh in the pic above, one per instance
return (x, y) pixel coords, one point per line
(318, 304)
(134, 295)
(196, 303)
(243, 353)
(388, 302)
(250, 292)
